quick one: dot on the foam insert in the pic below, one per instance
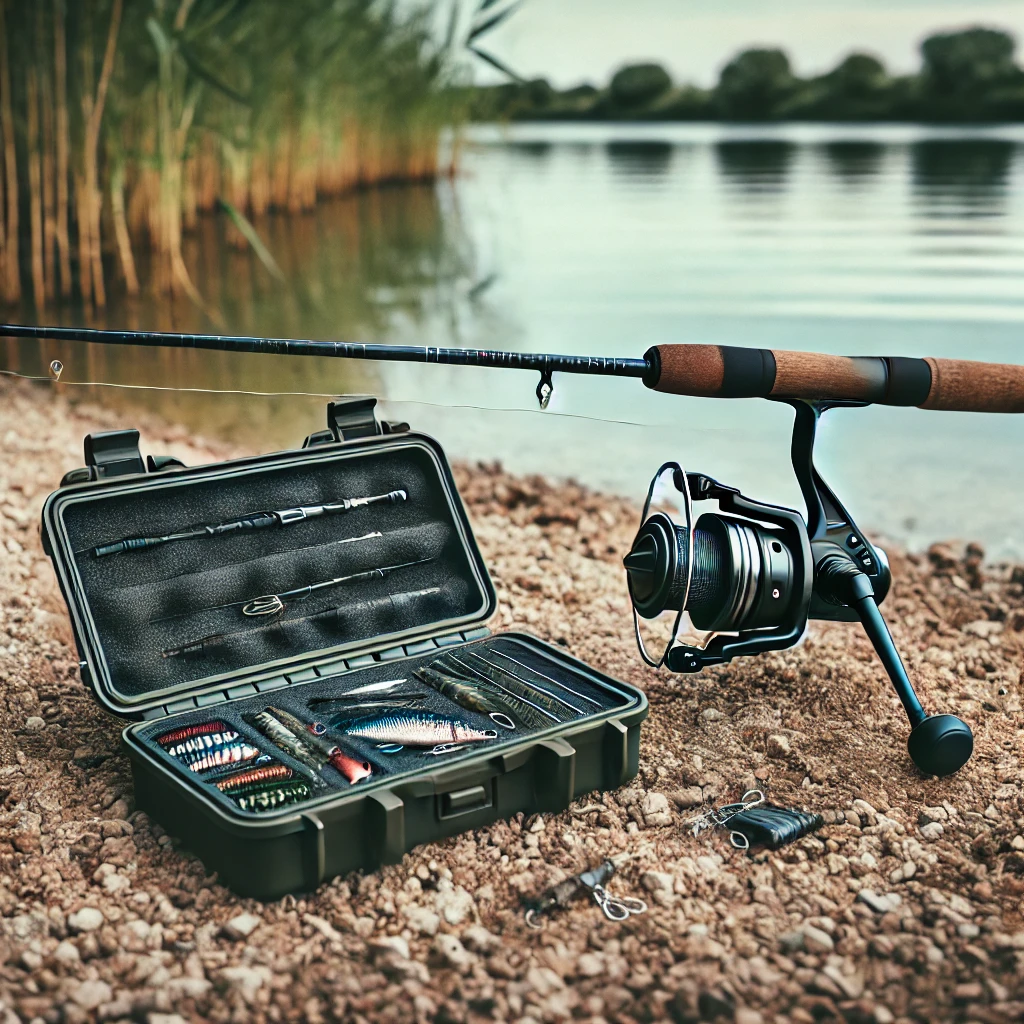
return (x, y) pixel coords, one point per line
(142, 603)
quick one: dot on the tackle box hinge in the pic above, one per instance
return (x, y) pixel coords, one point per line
(113, 453)
(349, 419)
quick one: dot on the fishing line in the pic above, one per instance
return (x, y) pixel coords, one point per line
(573, 416)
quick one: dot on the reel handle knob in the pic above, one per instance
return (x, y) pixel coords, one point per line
(938, 744)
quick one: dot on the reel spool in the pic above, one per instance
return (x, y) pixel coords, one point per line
(751, 575)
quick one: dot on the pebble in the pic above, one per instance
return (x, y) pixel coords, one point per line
(932, 831)
(816, 940)
(242, 926)
(35, 724)
(477, 938)
(88, 919)
(454, 905)
(879, 904)
(656, 809)
(453, 953)
(390, 944)
(244, 980)
(90, 994)
(66, 952)
(421, 919)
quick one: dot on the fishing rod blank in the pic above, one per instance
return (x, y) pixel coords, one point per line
(710, 371)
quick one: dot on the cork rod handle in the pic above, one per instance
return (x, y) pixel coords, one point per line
(721, 371)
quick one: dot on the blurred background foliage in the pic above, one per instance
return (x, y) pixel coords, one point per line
(967, 76)
(121, 121)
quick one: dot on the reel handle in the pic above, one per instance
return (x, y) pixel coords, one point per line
(724, 371)
(938, 744)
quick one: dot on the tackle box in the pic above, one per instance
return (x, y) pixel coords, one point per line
(193, 639)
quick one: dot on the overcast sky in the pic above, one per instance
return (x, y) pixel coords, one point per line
(569, 41)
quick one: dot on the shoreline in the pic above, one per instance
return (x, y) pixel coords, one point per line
(785, 936)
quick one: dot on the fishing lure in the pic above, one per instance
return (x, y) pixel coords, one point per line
(252, 776)
(383, 687)
(276, 796)
(752, 821)
(289, 742)
(188, 731)
(548, 699)
(203, 743)
(537, 672)
(532, 714)
(217, 757)
(418, 729)
(354, 769)
(253, 521)
(465, 694)
(593, 882)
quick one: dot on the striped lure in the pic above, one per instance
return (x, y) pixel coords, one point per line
(268, 798)
(188, 731)
(417, 729)
(252, 776)
(217, 757)
(201, 744)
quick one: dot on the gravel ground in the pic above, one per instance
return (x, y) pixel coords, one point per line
(907, 906)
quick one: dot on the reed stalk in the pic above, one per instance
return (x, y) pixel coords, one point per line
(128, 122)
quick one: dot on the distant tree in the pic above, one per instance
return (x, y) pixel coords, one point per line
(638, 84)
(956, 63)
(754, 84)
(859, 76)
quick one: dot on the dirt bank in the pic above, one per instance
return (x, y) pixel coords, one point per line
(908, 906)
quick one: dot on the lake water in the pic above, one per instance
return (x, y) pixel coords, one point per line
(607, 239)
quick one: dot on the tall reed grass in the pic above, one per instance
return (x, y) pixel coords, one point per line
(123, 121)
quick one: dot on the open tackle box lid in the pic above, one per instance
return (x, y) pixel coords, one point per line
(118, 495)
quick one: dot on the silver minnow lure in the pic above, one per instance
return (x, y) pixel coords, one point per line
(417, 730)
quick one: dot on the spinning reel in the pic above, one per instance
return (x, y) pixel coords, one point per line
(751, 575)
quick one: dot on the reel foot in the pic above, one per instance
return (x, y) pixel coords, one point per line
(940, 744)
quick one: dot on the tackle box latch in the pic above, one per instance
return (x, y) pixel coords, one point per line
(113, 453)
(351, 418)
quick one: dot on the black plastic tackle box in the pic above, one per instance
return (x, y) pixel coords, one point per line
(300, 642)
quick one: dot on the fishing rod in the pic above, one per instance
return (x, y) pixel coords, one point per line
(750, 576)
(703, 371)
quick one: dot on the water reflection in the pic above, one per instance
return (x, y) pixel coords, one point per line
(854, 162)
(640, 158)
(756, 165)
(354, 270)
(971, 172)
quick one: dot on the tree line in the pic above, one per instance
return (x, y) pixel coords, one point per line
(967, 76)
